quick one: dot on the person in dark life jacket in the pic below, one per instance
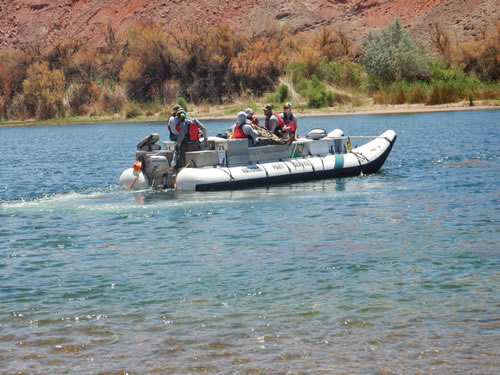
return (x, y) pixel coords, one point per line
(189, 136)
(290, 121)
(273, 122)
(174, 124)
(244, 129)
(251, 116)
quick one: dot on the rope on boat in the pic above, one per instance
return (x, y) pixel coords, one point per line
(359, 155)
(231, 178)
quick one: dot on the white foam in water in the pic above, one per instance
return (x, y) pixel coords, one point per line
(60, 200)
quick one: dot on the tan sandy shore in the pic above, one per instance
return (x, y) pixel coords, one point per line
(220, 113)
(369, 110)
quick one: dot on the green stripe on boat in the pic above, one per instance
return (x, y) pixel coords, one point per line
(339, 161)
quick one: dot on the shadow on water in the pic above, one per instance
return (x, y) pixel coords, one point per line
(268, 191)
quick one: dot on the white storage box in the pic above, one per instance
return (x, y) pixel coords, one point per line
(319, 147)
(237, 147)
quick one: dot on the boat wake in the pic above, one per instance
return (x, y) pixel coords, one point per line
(66, 199)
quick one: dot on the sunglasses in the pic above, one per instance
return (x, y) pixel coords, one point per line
(286, 107)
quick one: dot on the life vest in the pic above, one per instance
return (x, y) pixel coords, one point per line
(238, 132)
(254, 121)
(279, 126)
(289, 123)
(177, 126)
(193, 132)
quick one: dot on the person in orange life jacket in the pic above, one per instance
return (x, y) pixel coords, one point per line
(174, 124)
(273, 121)
(250, 116)
(290, 121)
(189, 136)
(244, 129)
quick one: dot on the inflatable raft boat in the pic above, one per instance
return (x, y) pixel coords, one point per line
(228, 164)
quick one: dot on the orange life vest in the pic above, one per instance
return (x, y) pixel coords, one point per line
(289, 123)
(177, 126)
(238, 132)
(193, 132)
(279, 126)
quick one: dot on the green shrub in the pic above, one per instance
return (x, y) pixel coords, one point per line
(392, 54)
(317, 95)
(182, 102)
(279, 96)
(282, 92)
(471, 99)
(298, 71)
(132, 113)
(302, 87)
(333, 72)
(352, 75)
(134, 110)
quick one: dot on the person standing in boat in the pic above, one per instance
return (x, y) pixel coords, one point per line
(244, 129)
(290, 121)
(189, 136)
(253, 119)
(273, 121)
(174, 124)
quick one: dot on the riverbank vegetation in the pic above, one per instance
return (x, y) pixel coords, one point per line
(145, 72)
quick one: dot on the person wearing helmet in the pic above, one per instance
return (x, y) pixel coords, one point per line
(273, 121)
(189, 136)
(250, 116)
(174, 124)
(290, 121)
(243, 129)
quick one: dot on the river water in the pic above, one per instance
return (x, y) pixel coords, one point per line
(391, 273)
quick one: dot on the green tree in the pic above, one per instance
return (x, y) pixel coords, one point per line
(392, 54)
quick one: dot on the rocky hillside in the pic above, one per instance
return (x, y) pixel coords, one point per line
(40, 22)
